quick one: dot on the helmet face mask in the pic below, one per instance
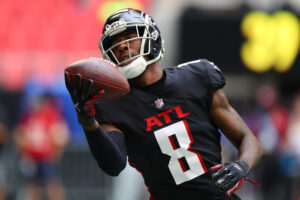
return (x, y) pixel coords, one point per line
(143, 52)
(146, 31)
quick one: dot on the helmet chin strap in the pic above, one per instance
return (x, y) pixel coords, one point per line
(135, 68)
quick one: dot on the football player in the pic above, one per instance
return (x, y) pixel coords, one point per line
(168, 124)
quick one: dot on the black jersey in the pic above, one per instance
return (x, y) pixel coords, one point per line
(170, 136)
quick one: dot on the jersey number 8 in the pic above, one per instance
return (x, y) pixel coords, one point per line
(180, 153)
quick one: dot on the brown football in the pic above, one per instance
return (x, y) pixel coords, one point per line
(105, 75)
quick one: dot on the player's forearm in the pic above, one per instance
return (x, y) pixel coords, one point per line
(250, 150)
(235, 129)
(109, 150)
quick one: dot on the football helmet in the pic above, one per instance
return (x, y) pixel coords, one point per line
(147, 31)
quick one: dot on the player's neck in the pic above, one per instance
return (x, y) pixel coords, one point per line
(151, 75)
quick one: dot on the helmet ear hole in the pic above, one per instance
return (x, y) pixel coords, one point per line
(155, 48)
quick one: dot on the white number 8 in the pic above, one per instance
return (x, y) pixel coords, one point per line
(185, 140)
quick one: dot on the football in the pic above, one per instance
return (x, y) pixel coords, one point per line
(105, 75)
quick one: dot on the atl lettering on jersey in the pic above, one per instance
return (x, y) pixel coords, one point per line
(164, 117)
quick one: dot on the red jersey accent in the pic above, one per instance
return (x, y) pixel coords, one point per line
(179, 112)
(182, 165)
(189, 149)
(172, 142)
(166, 115)
(151, 121)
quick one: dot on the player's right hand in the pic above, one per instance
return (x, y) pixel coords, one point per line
(230, 176)
(84, 107)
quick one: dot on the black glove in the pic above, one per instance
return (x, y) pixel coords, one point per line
(84, 107)
(230, 176)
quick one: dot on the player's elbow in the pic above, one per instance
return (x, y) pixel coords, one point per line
(114, 170)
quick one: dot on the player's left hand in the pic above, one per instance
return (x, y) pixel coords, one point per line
(83, 105)
(230, 176)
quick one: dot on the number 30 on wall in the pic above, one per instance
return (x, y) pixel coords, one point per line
(175, 140)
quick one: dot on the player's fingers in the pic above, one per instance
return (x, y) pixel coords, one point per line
(96, 97)
(87, 89)
(229, 183)
(68, 82)
(217, 167)
(224, 182)
(77, 86)
(69, 86)
(220, 173)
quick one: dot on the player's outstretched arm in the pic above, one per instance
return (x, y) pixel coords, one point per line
(235, 129)
(108, 148)
(230, 176)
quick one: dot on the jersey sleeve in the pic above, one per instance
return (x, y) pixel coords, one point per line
(206, 77)
(207, 72)
(215, 78)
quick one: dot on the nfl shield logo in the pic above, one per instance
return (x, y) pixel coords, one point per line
(159, 103)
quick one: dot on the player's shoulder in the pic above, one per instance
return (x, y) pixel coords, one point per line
(205, 71)
(199, 66)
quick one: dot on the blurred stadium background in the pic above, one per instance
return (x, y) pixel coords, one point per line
(254, 42)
